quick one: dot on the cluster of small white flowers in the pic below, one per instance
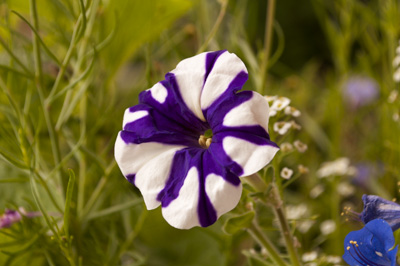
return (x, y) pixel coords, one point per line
(338, 167)
(396, 65)
(327, 227)
(278, 104)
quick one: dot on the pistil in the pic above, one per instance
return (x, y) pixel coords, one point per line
(204, 141)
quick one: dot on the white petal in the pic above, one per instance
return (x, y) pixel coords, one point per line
(251, 157)
(131, 157)
(130, 117)
(189, 74)
(224, 71)
(152, 177)
(159, 93)
(250, 113)
(223, 195)
(182, 212)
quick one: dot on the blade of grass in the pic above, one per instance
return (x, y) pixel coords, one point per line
(13, 56)
(114, 209)
(46, 49)
(68, 202)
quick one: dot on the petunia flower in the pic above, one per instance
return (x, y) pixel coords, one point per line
(372, 245)
(192, 136)
(378, 208)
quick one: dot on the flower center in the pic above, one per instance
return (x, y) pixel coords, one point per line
(206, 139)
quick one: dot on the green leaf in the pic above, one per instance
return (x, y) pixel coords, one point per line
(237, 223)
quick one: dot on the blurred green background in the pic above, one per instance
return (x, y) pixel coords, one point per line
(60, 116)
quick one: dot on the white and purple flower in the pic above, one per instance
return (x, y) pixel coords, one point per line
(192, 136)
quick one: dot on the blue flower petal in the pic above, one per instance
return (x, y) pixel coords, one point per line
(378, 208)
(370, 245)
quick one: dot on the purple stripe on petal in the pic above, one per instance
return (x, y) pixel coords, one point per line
(164, 137)
(205, 210)
(227, 101)
(220, 156)
(237, 132)
(131, 178)
(211, 58)
(211, 166)
(174, 108)
(183, 160)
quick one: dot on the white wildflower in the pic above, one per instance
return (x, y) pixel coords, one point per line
(282, 127)
(278, 105)
(289, 110)
(295, 212)
(270, 98)
(333, 259)
(286, 173)
(286, 147)
(396, 117)
(327, 227)
(393, 96)
(304, 225)
(316, 191)
(396, 61)
(345, 189)
(396, 75)
(302, 169)
(295, 125)
(309, 256)
(300, 146)
(338, 167)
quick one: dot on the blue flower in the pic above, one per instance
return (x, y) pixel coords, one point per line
(360, 91)
(372, 245)
(192, 136)
(378, 208)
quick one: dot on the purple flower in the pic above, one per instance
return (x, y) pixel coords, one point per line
(360, 91)
(9, 218)
(378, 208)
(372, 245)
(192, 136)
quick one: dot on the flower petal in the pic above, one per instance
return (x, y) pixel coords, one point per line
(253, 112)
(198, 191)
(242, 152)
(153, 175)
(370, 245)
(131, 157)
(376, 207)
(228, 74)
(166, 98)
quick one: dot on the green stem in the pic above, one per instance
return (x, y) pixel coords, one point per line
(259, 236)
(215, 28)
(287, 235)
(39, 84)
(274, 200)
(267, 43)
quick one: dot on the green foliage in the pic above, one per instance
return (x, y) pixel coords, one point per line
(237, 223)
(69, 69)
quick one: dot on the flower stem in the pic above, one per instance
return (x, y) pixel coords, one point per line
(274, 200)
(258, 235)
(294, 257)
(267, 43)
(215, 28)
